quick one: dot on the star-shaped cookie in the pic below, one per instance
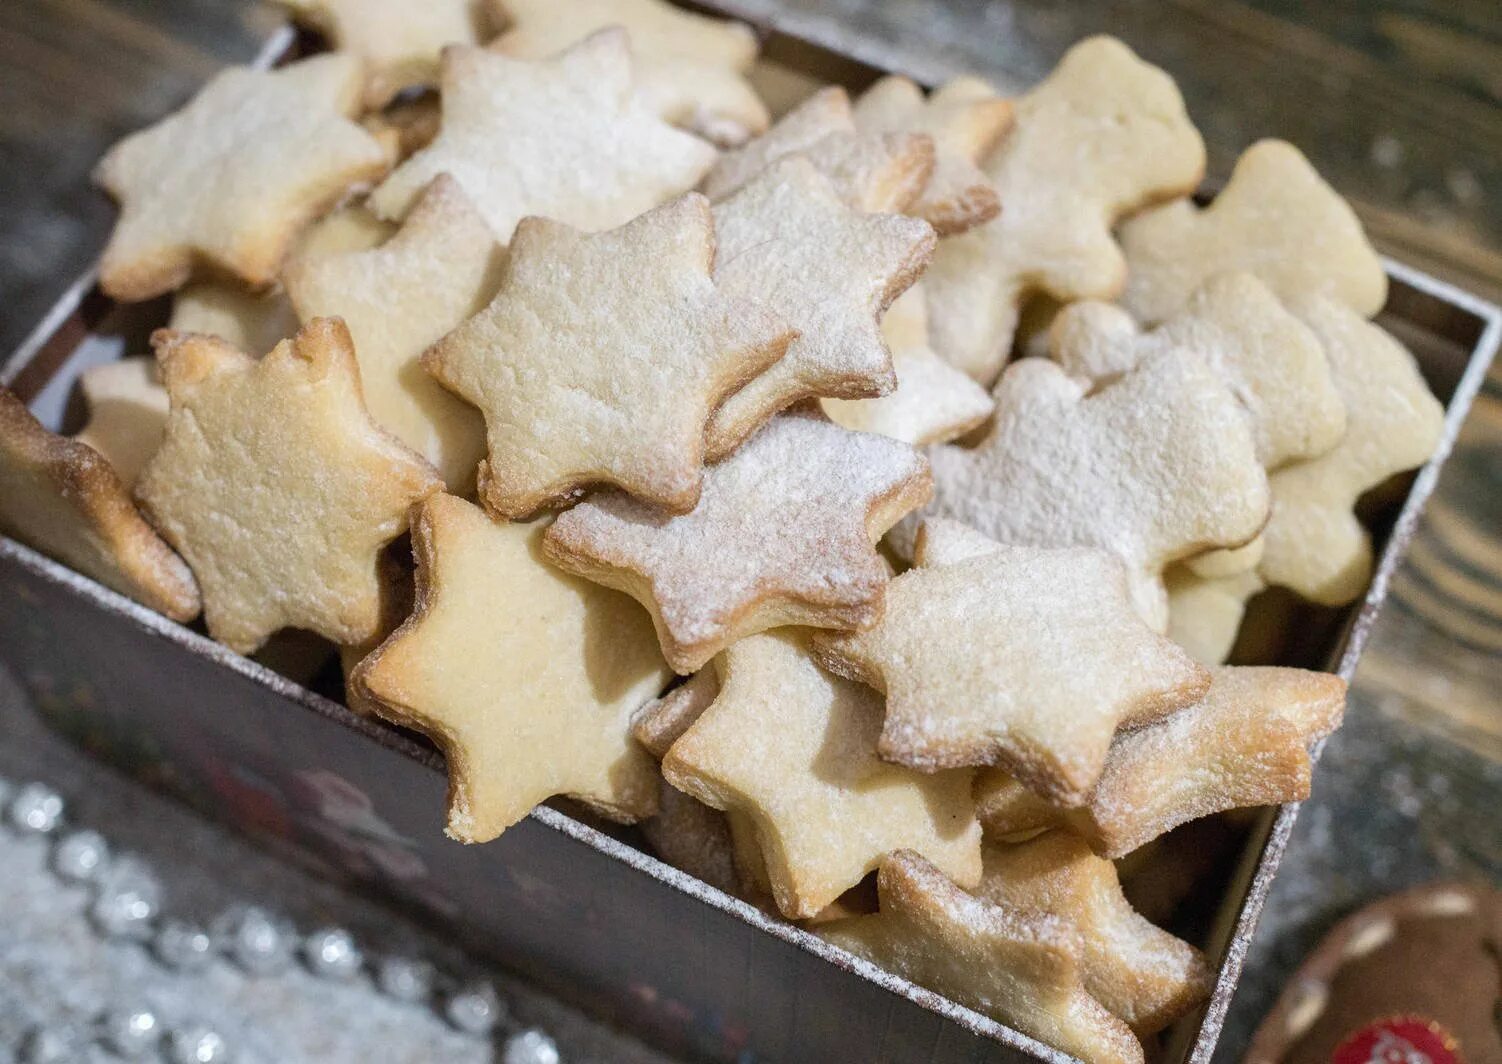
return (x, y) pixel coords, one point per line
(869, 171)
(689, 67)
(933, 401)
(526, 702)
(782, 534)
(397, 41)
(966, 119)
(1156, 465)
(127, 413)
(441, 268)
(61, 497)
(1026, 657)
(248, 319)
(1139, 972)
(1205, 612)
(1023, 968)
(283, 149)
(276, 486)
(787, 240)
(1314, 543)
(794, 749)
(1245, 744)
(1275, 218)
(611, 377)
(1103, 135)
(564, 138)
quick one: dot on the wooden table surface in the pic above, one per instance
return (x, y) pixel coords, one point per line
(1399, 104)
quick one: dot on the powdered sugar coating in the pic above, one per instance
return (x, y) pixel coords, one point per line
(782, 534)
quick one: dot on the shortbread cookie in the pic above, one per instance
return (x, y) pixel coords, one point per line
(1246, 744)
(565, 138)
(1104, 135)
(689, 68)
(249, 320)
(831, 271)
(1025, 657)
(441, 268)
(795, 749)
(526, 703)
(693, 837)
(350, 228)
(398, 585)
(1205, 612)
(397, 41)
(1139, 972)
(127, 413)
(661, 723)
(409, 124)
(61, 497)
(610, 378)
(1023, 968)
(1155, 466)
(933, 402)
(782, 534)
(1270, 360)
(276, 486)
(1275, 218)
(966, 119)
(1315, 544)
(282, 150)
(869, 171)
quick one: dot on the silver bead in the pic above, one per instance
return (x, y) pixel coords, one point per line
(530, 1047)
(53, 1045)
(331, 952)
(184, 947)
(81, 856)
(197, 1044)
(129, 900)
(475, 1009)
(258, 941)
(132, 1033)
(405, 978)
(36, 807)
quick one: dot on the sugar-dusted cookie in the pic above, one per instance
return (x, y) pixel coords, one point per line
(1272, 362)
(786, 239)
(1205, 612)
(1103, 135)
(564, 137)
(1027, 657)
(61, 497)
(1156, 465)
(1314, 543)
(1139, 972)
(397, 41)
(933, 402)
(276, 486)
(1275, 218)
(689, 67)
(1247, 743)
(966, 119)
(1021, 967)
(782, 534)
(440, 269)
(611, 377)
(244, 318)
(869, 171)
(350, 228)
(528, 700)
(282, 150)
(795, 749)
(661, 722)
(127, 413)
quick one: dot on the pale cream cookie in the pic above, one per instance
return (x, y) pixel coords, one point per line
(61, 497)
(229, 181)
(276, 486)
(127, 414)
(566, 138)
(783, 534)
(795, 749)
(526, 702)
(1275, 218)
(244, 318)
(441, 268)
(1205, 612)
(1103, 135)
(611, 377)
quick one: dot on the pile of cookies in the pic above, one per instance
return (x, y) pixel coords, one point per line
(937, 442)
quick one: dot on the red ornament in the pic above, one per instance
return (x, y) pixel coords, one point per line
(1399, 1040)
